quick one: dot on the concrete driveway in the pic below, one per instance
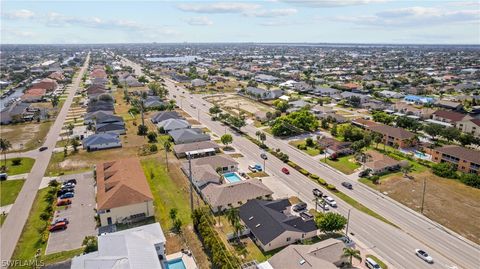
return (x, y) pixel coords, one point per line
(80, 214)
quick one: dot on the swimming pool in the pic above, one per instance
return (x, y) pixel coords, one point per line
(232, 177)
(175, 264)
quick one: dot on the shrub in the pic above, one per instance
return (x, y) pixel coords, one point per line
(16, 161)
(292, 164)
(322, 181)
(313, 176)
(375, 179)
(44, 216)
(472, 180)
(284, 158)
(153, 148)
(304, 172)
(444, 170)
(301, 147)
(331, 187)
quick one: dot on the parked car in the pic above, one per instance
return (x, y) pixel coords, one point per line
(61, 202)
(285, 170)
(423, 255)
(370, 263)
(299, 207)
(72, 180)
(60, 220)
(58, 226)
(65, 190)
(258, 167)
(306, 215)
(42, 148)
(67, 195)
(317, 193)
(68, 185)
(3, 176)
(347, 185)
(330, 201)
(252, 168)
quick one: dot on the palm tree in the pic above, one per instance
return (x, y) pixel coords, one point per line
(351, 253)
(237, 229)
(167, 145)
(234, 219)
(406, 169)
(4, 146)
(262, 137)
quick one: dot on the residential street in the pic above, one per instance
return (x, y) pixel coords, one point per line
(13, 225)
(416, 231)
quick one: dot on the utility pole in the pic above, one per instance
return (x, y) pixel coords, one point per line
(191, 181)
(348, 222)
(423, 193)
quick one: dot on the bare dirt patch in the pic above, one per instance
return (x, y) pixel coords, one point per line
(446, 200)
(26, 136)
(236, 103)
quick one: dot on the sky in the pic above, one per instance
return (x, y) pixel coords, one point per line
(312, 21)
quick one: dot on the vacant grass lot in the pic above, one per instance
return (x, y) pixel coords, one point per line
(24, 167)
(25, 136)
(446, 200)
(344, 164)
(9, 190)
(310, 151)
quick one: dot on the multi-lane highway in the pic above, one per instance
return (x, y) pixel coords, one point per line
(13, 225)
(395, 245)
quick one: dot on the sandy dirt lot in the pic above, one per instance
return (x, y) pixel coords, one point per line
(235, 103)
(24, 137)
(446, 201)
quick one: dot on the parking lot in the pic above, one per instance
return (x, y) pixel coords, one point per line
(80, 215)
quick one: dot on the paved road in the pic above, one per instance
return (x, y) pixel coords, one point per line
(13, 225)
(394, 245)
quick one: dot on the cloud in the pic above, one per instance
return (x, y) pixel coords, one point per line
(271, 13)
(18, 33)
(19, 14)
(331, 3)
(220, 7)
(199, 21)
(413, 17)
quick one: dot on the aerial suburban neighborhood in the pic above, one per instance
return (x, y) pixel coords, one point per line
(251, 155)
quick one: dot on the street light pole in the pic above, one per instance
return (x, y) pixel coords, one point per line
(423, 193)
(191, 181)
(348, 222)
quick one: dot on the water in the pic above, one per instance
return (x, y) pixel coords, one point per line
(232, 177)
(18, 92)
(175, 264)
(184, 59)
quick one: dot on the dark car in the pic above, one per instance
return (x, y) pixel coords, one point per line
(58, 226)
(347, 185)
(299, 207)
(42, 148)
(67, 195)
(3, 176)
(317, 193)
(72, 180)
(65, 190)
(68, 185)
(60, 220)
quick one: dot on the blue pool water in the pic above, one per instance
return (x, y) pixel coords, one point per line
(175, 264)
(232, 177)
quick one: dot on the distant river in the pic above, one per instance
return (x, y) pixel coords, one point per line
(185, 59)
(18, 92)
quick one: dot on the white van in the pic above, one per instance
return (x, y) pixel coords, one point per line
(370, 263)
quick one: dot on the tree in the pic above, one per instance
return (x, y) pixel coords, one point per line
(309, 142)
(334, 131)
(378, 138)
(451, 133)
(466, 139)
(142, 129)
(167, 145)
(70, 128)
(351, 253)
(155, 87)
(214, 110)
(5, 145)
(226, 139)
(90, 243)
(446, 170)
(382, 117)
(55, 100)
(406, 169)
(330, 222)
(234, 220)
(173, 213)
(324, 124)
(262, 137)
(152, 137)
(142, 79)
(281, 105)
(75, 143)
(433, 130)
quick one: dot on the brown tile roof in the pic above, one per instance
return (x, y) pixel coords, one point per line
(450, 115)
(121, 183)
(47, 84)
(379, 161)
(392, 131)
(476, 121)
(461, 153)
(364, 122)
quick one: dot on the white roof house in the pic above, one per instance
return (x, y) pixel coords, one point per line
(136, 248)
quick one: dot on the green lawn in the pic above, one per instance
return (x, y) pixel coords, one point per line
(343, 164)
(24, 167)
(377, 260)
(310, 151)
(61, 256)
(167, 193)
(9, 190)
(31, 238)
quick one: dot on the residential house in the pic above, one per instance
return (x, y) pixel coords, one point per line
(448, 116)
(153, 102)
(57, 75)
(326, 254)
(173, 124)
(302, 87)
(364, 123)
(220, 163)
(190, 135)
(325, 91)
(466, 160)
(268, 79)
(202, 175)
(110, 127)
(48, 84)
(164, 115)
(224, 196)
(123, 193)
(101, 141)
(98, 73)
(107, 118)
(333, 117)
(393, 136)
(272, 224)
(379, 163)
(419, 100)
(97, 105)
(90, 118)
(347, 95)
(333, 146)
(33, 95)
(196, 149)
(198, 83)
(263, 94)
(471, 126)
(408, 109)
(391, 94)
(16, 112)
(456, 106)
(135, 248)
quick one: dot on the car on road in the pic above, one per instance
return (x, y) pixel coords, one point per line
(258, 167)
(347, 185)
(57, 227)
(317, 193)
(60, 220)
(264, 156)
(330, 201)
(42, 148)
(193, 106)
(323, 206)
(370, 263)
(299, 207)
(61, 202)
(423, 255)
(285, 171)
(306, 215)
(67, 195)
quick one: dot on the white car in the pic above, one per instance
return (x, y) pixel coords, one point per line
(330, 201)
(423, 255)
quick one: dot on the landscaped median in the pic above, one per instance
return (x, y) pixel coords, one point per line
(282, 156)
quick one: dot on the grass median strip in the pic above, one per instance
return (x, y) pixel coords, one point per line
(377, 260)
